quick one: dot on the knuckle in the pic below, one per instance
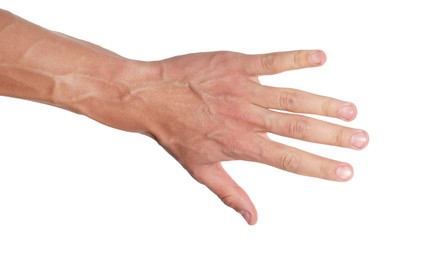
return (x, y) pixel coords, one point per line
(225, 60)
(286, 101)
(228, 200)
(243, 152)
(325, 107)
(290, 162)
(268, 63)
(233, 145)
(235, 148)
(297, 59)
(337, 137)
(297, 128)
(231, 200)
(325, 172)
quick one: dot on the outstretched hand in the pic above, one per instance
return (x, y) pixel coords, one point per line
(203, 108)
(207, 108)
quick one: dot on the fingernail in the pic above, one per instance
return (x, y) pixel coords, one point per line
(246, 215)
(317, 58)
(347, 112)
(359, 140)
(344, 172)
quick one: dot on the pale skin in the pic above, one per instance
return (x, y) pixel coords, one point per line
(203, 108)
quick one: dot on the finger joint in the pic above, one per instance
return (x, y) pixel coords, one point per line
(297, 60)
(228, 200)
(286, 101)
(297, 128)
(290, 162)
(337, 137)
(325, 172)
(325, 107)
(268, 63)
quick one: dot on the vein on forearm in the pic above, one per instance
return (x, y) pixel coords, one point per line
(41, 65)
(25, 82)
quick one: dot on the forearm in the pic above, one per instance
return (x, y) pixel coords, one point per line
(41, 65)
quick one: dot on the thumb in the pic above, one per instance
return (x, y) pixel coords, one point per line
(218, 181)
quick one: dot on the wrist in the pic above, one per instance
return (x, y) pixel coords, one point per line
(113, 93)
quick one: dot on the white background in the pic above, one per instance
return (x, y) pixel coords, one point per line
(71, 188)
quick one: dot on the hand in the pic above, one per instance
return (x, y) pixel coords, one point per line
(202, 108)
(207, 108)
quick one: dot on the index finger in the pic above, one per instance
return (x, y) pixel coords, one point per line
(273, 63)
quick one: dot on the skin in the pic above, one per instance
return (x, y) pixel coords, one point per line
(203, 108)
